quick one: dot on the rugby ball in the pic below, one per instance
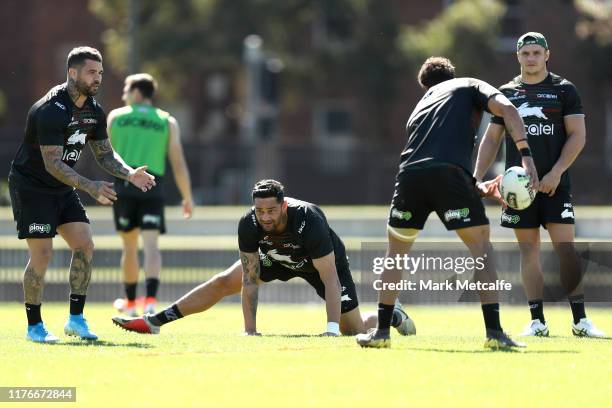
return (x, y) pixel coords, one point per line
(515, 188)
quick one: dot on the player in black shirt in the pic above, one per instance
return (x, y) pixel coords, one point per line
(554, 122)
(434, 175)
(280, 239)
(42, 186)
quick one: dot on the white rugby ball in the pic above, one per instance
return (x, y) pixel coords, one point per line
(515, 188)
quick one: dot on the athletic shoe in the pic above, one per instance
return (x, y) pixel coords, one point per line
(127, 307)
(586, 328)
(406, 326)
(498, 340)
(149, 307)
(535, 328)
(39, 334)
(136, 324)
(373, 339)
(77, 326)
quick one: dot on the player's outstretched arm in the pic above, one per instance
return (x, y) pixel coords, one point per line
(333, 292)
(110, 161)
(179, 166)
(499, 105)
(102, 191)
(250, 290)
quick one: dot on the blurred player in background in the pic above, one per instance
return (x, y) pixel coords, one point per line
(144, 135)
(42, 186)
(280, 238)
(434, 175)
(554, 121)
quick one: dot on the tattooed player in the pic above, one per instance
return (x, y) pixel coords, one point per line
(42, 186)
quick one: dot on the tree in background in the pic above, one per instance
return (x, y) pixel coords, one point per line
(466, 32)
(595, 29)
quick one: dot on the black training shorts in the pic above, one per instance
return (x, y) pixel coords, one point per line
(38, 214)
(444, 188)
(271, 270)
(557, 209)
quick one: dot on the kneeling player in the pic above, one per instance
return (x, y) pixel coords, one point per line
(280, 238)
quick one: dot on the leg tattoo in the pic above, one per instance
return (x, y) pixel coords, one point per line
(80, 273)
(32, 286)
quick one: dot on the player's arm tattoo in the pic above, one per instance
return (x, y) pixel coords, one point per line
(52, 157)
(80, 273)
(250, 288)
(108, 159)
(32, 286)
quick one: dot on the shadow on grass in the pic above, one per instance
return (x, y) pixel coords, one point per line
(520, 351)
(103, 343)
(292, 336)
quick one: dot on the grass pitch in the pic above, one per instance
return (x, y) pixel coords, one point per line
(203, 360)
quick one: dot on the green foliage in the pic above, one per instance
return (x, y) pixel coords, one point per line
(466, 32)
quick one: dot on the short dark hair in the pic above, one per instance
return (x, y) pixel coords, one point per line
(78, 55)
(269, 188)
(435, 70)
(145, 83)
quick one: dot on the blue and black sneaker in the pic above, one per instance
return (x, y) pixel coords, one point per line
(77, 326)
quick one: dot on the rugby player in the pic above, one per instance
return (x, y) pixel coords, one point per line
(554, 122)
(42, 186)
(143, 134)
(280, 238)
(434, 175)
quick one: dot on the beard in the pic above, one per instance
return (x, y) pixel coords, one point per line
(87, 89)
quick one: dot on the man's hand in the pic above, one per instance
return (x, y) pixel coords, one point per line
(550, 182)
(490, 189)
(187, 208)
(531, 171)
(141, 179)
(103, 192)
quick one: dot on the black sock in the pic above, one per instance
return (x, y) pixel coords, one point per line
(33, 313)
(152, 286)
(490, 313)
(577, 305)
(385, 314)
(166, 316)
(77, 303)
(130, 290)
(536, 307)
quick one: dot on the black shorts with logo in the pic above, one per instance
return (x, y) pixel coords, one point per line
(135, 212)
(272, 270)
(445, 188)
(557, 209)
(38, 214)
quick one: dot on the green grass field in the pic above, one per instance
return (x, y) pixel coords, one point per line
(204, 360)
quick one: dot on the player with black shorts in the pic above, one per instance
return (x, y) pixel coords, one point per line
(280, 239)
(42, 186)
(554, 122)
(434, 175)
(145, 135)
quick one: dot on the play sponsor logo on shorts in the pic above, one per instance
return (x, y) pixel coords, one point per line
(567, 213)
(151, 219)
(401, 215)
(40, 228)
(124, 222)
(512, 219)
(458, 214)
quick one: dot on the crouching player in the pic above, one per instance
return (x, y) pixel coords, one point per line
(280, 238)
